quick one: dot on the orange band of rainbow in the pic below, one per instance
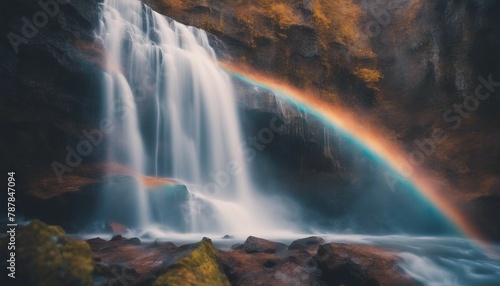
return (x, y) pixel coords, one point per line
(376, 143)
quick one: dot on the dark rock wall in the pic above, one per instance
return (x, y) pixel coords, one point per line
(50, 85)
(430, 54)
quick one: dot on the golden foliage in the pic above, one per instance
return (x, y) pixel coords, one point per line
(369, 76)
(177, 4)
(280, 13)
(339, 21)
(337, 25)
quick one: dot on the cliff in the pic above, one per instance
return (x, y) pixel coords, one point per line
(411, 65)
(415, 66)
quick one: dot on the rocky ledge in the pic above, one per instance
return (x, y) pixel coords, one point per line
(47, 251)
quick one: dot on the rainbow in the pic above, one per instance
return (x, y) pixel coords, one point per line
(375, 143)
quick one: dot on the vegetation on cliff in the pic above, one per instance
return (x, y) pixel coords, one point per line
(411, 73)
(200, 267)
(46, 256)
(314, 44)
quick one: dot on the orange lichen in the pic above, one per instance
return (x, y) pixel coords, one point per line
(369, 76)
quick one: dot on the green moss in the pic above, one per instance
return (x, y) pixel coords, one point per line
(48, 257)
(200, 267)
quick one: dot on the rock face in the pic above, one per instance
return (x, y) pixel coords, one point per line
(432, 55)
(312, 43)
(405, 63)
(413, 63)
(50, 84)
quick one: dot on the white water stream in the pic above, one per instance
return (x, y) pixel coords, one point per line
(176, 117)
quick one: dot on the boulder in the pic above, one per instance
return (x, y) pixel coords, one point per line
(343, 264)
(163, 263)
(126, 260)
(116, 228)
(254, 244)
(132, 241)
(46, 256)
(165, 245)
(117, 238)
(201, 266)
(237, 246)
(168, 203)
(288, 267)
(309, 244)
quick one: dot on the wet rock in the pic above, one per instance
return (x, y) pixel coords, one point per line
(285, 268)
(130, 260)
(164, 245)
(134, 241)
(116, 228)
(52, 85)
(116, 274)
(96, 240)
(46, 256)
(342, 264)
(145, 280)
(254, 244)
(309, 244)
(117, 238)
(237, 246)
(167, 205)
(200, 266)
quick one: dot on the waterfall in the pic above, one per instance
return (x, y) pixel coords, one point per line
(176, 117)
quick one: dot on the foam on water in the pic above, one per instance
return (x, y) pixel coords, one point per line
(175, 116)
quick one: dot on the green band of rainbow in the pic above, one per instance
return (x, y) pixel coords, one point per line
(385, 151)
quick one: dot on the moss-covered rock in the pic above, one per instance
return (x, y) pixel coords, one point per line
(200, 267)
(48, 257)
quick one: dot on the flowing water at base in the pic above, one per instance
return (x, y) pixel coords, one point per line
(433, 261)
(437, 260)
(175, 116)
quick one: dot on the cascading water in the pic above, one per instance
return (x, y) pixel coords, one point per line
(176, 117)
